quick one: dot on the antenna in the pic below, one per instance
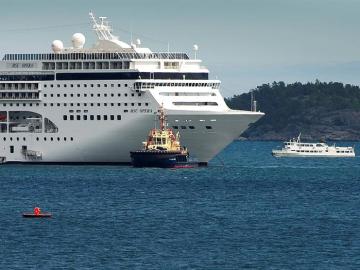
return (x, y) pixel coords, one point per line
(196, 48)
(102, 29)
(253, 102)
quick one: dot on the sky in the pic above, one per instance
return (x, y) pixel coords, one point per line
(244, 43)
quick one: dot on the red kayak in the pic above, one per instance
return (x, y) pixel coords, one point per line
(36, 214)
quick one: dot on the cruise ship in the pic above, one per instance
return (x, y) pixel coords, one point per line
(94, 105)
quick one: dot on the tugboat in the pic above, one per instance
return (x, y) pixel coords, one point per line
(162, 148)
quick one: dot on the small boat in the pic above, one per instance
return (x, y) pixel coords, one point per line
(162, 148)
(36, 214)
(296, 148)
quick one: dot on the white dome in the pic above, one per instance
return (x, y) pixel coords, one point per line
(78, 40)
(57, 46)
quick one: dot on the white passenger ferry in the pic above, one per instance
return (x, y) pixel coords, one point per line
(94, 105)
(296, 148)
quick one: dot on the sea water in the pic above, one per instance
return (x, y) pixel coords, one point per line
(246, 210)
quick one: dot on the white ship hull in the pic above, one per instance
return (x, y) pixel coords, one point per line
(279, 153)
(112, 142)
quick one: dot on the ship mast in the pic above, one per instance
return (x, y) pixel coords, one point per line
(162, 118)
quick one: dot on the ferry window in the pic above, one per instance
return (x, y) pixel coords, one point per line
(183, 127)
(119, 85)
(78, 104)
(45, 95)
(111, 104)
(58, 95)
(24, 139)
(132, 104)
(112, 94)
(58, 85)
(119, 95)
(132, 95)
(51, 95)
(119, 104)
(85, 104)
(91, 95)
(98, 95)
(98, 117)
(208, 127)
(4, 139)
(98, 104)
(11, 149)
(65, 117)
(105, 95)
(112, 117)
(125, 104)
(65, 104)
(126, 85)
(51, 85)
(71, 95)
(65, 95)
(191, 127)
(71, 138)
(64, 138)
(91, 117)
(71, 117)
(37, 138)
(98, 85)
(71, 85)
(51, 139)
(85, 95)
(65, 85)
(91, 85)
(175, 127)
(10, 138)
(118, 117)
(44, 138)
(45, 104)
(139, 95)
(91, 104)
(105, 85)
(78, 95)
(58, 104)
(85, 85)
(45, 85)
(58, 138)
(112, 85)
(105, 117)
(105, 104)
(125, 95)
(78, 85)
(78, 117)
(51, 104)
(146, 104)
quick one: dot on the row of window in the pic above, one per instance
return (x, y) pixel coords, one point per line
(149, 85)
(190, 127)
(85, 85)
(19, 86)
(19, 95)
(185, 103)
(85, 65)
(90, 95)
(38, 139)
(78, 104)
(92, 117)
(187, 94)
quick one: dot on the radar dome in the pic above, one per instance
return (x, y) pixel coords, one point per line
(78, 40)
(57, 46)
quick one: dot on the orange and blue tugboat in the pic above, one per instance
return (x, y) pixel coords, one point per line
(162, 148)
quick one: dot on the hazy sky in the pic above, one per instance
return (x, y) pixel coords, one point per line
(244, 43)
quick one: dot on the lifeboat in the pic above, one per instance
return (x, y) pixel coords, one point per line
(36, 214)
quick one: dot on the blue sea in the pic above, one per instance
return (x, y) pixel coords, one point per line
(246, 210)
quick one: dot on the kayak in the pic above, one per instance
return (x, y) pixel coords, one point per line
(31, 215)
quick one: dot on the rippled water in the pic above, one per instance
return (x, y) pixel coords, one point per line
(246, 210)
